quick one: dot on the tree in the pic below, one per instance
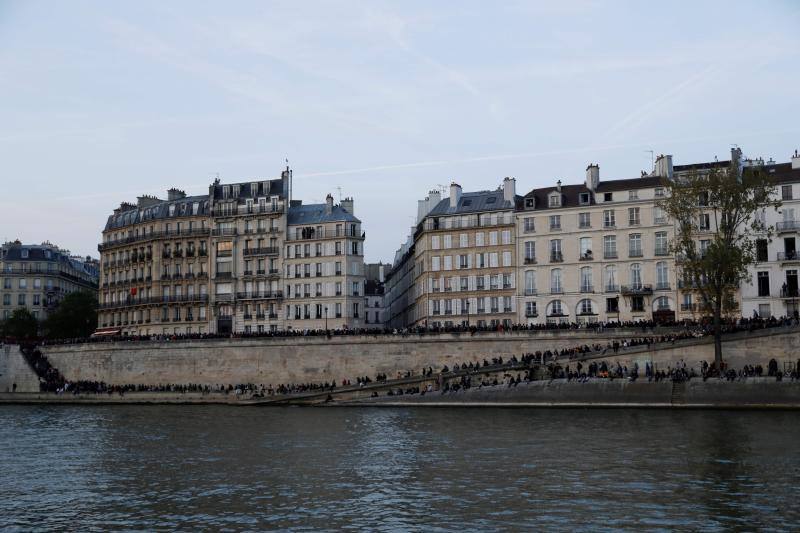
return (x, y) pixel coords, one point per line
(718, 214)
(21, 325)
(75, 317)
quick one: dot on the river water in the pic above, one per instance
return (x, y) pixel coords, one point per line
(394, 469)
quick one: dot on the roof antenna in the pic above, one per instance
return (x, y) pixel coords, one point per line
(338, 188)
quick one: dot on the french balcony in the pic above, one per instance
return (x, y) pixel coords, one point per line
(269, 250)
(788, 257)
(587, 288)
(635, 253)
(259, 295)
(609, 255)
(531, 314)
(223, 275)
(661, 252)
(177, 253)
(790, 292)
(223, 232)
(587, 256)
(637, 290)
(530, 260)
(663, 286)
(556, 290)
(556, 257)
(788, 226)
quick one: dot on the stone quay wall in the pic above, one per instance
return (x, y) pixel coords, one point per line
(318, 359)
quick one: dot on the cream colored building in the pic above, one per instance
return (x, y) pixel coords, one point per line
(154, 267)
(243, 259)
(597, 251)
(464, 259)
(324, 267)
(37, 276)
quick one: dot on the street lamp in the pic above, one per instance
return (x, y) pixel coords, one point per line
(467, 302)
(326, 318)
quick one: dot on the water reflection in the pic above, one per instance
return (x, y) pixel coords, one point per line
(198, 467)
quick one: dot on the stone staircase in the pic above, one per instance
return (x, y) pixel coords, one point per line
(678, 393)
(14, 369)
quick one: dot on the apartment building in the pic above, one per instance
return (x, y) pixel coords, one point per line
(154, 267)
(249, 221)
(596, 251)
(37, 276)
(324, 266)
(398, 288)
(231, 262)
(374, 295)
(773, 286)
(464, 258)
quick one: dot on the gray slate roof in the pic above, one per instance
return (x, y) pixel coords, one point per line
(183, 208)
(315, 214)
(473, 202)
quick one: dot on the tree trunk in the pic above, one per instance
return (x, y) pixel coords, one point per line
(718, 335)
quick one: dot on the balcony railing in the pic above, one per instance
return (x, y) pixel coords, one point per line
(664, 286)
(587, 288)
(612, 287)
(661, 251)
(194, 232)
(231, 209)
(788, 256)
(223, 275)
(530, 260)
(637, 289)
(788, 225)
(313, 234)
(556, 257)
(587, 256)
(609, 255)
(790, 292)
(259, 295)
(269, 250)
(635, 253)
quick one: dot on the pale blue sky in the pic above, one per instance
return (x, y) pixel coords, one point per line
(102, 101)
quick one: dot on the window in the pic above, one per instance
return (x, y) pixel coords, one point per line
(786, 192)
(555, 281)
(761, 250)
(636, 276)
(528, 225)
(633, 195)
(556, 309)
(659, 192)
(555, 251)
(637, 304)
(23, 283)
(607, 197)
(435, 263)
(435, 242)
(555, 221)
(611, 278)
(658, 215)
(702, 199)
(492, 238)
(635, 245)
(662, 247)
(6, 299)
(463, 240)
(633, 216)
(609, 220)
(585, 248)
(586, 280)
(530, 252)
(764, 311)
(662, 276)
(763, 283)
(586, 307)
(609, 246)
(463, 261)
(506, 237)
(583, 198)
(7, 283)
(554, 200)
(20, 299)
(704, 222)
(24, 252)
(661, 304)
(584, 220)
(530, 309)
(530, 282)
(448, 242)
(479, 239)
(612, 305)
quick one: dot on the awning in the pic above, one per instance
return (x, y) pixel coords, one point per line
(106, 332)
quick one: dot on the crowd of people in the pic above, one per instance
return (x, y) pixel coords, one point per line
(699, 327)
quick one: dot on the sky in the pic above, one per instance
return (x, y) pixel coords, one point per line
(103, 101)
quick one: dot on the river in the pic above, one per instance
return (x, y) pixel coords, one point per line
(394, 469)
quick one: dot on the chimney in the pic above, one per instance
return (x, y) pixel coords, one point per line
(347, 205)
(558, 185)
(796, 161)
(663, 167)
(509, 189)
(455, 194)
(175, 194)
(329, 204)
(146, 201)
(592, 176)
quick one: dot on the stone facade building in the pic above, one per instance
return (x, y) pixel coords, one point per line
(228, 262)
(464, 258)
(37, 276)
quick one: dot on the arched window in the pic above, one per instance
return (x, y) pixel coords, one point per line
(586, 307)
(661, 304)
(636, 276)
(555, 308)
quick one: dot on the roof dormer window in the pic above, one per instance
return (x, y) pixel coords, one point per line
(528, 202)
(583, 198)
(24, 253)
(554, 200)
(633, 195)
